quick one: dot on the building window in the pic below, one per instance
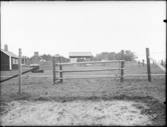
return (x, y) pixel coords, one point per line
(17, 61)
(14, 61)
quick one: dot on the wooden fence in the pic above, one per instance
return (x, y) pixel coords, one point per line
(61, 71)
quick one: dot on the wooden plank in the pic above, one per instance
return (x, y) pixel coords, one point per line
(159, 65)
(158, 74)
(90, 62)
(90, 70)
(61, 74)
(133, 75)
(89, 77)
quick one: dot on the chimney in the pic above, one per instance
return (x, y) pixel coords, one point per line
(36, 53)
(6, 47)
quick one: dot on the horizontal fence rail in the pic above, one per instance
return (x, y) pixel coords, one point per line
(91, 62)
(140, 75)
(90, 70)
(90, 77)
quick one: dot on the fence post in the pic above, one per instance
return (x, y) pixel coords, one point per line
(148, 64)
(20, 71)
(54, 71)
(122, 66)
(61, 73)
(143, 62)
(162, 63)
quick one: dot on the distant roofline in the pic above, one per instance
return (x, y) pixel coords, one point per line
(79, 56)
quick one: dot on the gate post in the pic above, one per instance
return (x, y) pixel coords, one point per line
(148, 64)
(122, 66)
(54, 71)
(20, 70)
(61, 73)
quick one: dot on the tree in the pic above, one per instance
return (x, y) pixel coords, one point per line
(128, 56)
(44, 57)
(47, 57)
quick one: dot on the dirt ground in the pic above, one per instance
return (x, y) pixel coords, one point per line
(102, 101)
(76, 113)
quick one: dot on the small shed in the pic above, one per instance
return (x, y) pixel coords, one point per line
(74, 55)
(9, 61)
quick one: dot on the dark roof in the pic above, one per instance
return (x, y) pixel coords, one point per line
(80, 54)
(9, 53)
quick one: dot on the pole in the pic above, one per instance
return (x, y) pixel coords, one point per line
(148, 64)
(20, 61)
(122, 66)
(61, 73)
(54, 71)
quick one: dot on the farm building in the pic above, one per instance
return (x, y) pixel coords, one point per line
(35, 60)
(75, 55)
(9, 61)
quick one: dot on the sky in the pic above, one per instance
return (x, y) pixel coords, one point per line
(60, 27)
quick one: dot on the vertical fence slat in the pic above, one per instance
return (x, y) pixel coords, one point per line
(54, 71)
(61, 73)
(20, 71)
(148, 64)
